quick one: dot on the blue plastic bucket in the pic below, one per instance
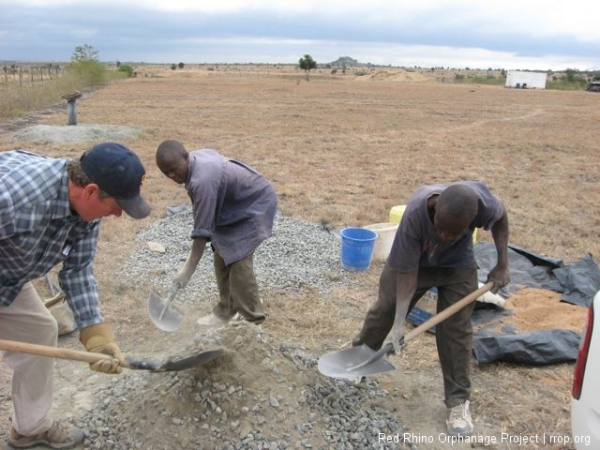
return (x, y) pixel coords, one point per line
(357, 248)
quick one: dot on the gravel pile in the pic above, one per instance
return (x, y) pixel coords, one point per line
(263, 393)
(300, 254)
(73, 133)
(260, 395)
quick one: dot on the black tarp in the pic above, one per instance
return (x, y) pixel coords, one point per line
(535, 348)
(577, 284)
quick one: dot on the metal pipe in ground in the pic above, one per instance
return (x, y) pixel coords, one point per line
(71, 108)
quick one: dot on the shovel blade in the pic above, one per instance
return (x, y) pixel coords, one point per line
(192, 361)
(164, 315)
(173, 365)
(348, 363)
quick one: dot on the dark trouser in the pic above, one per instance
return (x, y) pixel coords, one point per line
(238, 291)
(454, 336)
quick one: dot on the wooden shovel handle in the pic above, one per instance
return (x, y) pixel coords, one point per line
(448, 311)
(388, 348)
(53, 352)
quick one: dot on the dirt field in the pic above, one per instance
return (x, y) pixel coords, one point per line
(343, 150)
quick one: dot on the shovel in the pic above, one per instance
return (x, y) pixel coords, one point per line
(163, 314)
(362, 361)
(136, 364)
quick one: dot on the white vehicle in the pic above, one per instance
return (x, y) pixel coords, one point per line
(585, 395)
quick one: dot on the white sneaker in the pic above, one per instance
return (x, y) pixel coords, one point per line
(212, 321)
(356, 381)
(459, 420)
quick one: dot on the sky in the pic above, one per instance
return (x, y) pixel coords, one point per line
(498, 34)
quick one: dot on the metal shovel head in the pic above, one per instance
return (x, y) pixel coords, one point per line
(348, 363)
(164, 315)
(172, 365)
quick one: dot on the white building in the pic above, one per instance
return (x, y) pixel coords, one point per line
(526, 80)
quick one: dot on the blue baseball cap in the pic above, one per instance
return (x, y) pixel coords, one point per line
(118, 172)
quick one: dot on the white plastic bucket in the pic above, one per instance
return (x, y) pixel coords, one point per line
(386, 232)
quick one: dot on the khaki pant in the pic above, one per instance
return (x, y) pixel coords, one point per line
(28, 320)
(454, 336)
(238, 291)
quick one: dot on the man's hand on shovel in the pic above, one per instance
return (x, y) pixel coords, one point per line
(396, 338)
(181, 280)
(100, 338)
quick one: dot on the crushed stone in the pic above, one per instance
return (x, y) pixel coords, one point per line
(72, 133)
(263, 393)
(260, 395)
(299, 255)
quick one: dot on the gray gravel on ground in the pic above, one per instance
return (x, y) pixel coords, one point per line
(284, 404)
(299, 255)
(72, 133)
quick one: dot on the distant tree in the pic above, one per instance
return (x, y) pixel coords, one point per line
(570, 75)
(173, 66)
(307, 64)
(126, 68)
(181, 65)
(85, 64)
(84, 53)
(118, 63)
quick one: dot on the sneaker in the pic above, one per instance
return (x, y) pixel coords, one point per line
(212, 321)
(459, 420)
(57, 436)
(357, 381)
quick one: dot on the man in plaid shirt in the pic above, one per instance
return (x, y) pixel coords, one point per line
(50, 211)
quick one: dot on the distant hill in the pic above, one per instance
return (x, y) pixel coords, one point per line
(346, 61)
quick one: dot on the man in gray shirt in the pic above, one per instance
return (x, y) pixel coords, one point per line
(433, 247)
(234, 208)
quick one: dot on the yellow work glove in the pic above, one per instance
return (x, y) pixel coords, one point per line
(100, 338)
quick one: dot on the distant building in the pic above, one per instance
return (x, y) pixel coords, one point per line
(521, 79)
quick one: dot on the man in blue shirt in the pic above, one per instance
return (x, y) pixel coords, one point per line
(234, 208)
(433, 247)
(50, 211)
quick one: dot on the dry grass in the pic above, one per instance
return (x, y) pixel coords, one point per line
(345, 152)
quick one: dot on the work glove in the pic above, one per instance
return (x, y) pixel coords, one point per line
(100, 338)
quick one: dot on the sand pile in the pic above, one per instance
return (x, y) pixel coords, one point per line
(539, 309)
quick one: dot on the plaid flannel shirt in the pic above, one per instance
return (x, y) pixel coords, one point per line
(38, 230)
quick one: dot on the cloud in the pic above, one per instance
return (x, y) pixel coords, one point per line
(459, 33)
